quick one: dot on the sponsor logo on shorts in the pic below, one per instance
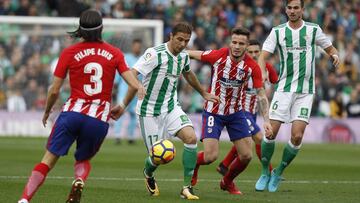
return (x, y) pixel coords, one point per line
(209, 130)
(184, 119)
(304, 113)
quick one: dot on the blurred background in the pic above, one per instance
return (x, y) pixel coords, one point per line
(28, 52)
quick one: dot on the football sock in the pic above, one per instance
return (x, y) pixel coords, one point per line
(149, 167)
(230, 156)
(36, 179)
(236, 167)
(289, 154)
(189, 162)
(200, 158)
(267, 150)
(258, 153)
(82, 169)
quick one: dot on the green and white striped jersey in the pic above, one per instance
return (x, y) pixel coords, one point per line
(161, 71)
(297, 50)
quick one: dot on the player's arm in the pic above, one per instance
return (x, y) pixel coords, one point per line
(333, 53)
(195, 54)
(268, 48)
(264, 55)
(191, 78)
(119, 109)
(263, 102)
(134, 84)
(53, 94)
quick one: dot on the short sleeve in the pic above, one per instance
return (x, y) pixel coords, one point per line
(256, 76)
(187, 63)
(211, 56)
(147, 62)
(321, 39)
(273, 76)
(122, 66)
(270, 42)
(62, 65)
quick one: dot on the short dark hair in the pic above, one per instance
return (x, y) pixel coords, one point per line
(301, 2)
(182, 27)
(90, 26)
(254, 42)
(240, 31)
(137, 40)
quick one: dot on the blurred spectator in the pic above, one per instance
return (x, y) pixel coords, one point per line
(15, 101)
(337, 109)
(353, 107)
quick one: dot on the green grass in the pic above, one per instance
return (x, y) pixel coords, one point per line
(320, 173)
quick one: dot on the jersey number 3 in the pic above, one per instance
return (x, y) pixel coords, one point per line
(96, 72)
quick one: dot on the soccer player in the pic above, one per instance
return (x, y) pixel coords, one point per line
(250, 108)
(231, 69)
(159, 113)
(130, 59)
(296, 41)
(91, 65)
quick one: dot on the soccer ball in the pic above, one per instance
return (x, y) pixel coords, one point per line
(162, 152)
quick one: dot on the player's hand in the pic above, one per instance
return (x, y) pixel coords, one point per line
(210, 97)
(116, 112)
(335, 60)
(268, 129)
(141, 92)
(45, 117)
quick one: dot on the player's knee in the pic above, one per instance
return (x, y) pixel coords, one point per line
(190, 139)
(210, 157)
(297, 138)
(246, 157)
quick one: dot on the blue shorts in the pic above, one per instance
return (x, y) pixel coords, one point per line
(251, 119)
(88, 132)
(236, 125)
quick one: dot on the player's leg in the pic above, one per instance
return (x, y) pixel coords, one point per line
(239, 164)
(178, 124)
(279, 113)
(117, 129)
(58, 145)
(38, 175)
(211, 130)
(228, 159)
(90, 134)
(187, 135)
(300, 113)
(238, 129)
(132, 125)
(150, 133)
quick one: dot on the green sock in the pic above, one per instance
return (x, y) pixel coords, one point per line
(149, 167)
(189, 163)
(267, 150)
(288, 155)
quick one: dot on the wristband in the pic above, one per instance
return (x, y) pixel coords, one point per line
(122, 105)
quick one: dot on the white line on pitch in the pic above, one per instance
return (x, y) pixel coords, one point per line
(200, 180)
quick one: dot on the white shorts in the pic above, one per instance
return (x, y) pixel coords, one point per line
(163, 126)
(289, 106)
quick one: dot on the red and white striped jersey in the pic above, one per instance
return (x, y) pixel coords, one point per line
(92, 67)
(250, 104)
(228, 80)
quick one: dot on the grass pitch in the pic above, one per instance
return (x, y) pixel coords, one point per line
(320, 173)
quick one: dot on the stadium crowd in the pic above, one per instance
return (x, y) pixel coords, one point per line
(25, 64)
